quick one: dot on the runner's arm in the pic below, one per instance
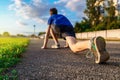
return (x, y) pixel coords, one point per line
(46, 37)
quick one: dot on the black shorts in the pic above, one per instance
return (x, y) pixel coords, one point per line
(63, 30)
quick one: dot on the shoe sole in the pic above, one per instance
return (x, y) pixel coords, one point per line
(101, 54)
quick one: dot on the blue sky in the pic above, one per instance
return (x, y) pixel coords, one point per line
(19, 16)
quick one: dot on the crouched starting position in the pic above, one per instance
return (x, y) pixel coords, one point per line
(59, 24)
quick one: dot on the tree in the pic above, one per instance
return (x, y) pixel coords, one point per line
(92, 12)
(100, 15)
(6, 34)
(40, 33)
(111, 18)
(81, 27)
(77, 27)
(33, 35)
(20, 35)
(95, 12)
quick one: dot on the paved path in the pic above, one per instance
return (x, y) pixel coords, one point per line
(62, 64)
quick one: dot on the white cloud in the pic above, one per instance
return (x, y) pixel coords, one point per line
(77, 6)
(21, 24)
(35, 11)
(60, 1)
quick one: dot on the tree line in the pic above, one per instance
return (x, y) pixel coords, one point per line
(7, 34)
(99, 17)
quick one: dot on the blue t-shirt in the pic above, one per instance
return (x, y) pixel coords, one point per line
(58, 19)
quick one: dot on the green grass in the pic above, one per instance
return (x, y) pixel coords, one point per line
(10, 53)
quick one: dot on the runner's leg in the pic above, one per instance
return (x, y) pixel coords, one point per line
(77, 46)
(54, 36)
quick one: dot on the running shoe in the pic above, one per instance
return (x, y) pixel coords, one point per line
(55, 46)
(98, 47)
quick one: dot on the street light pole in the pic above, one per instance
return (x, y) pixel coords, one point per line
(34, 29)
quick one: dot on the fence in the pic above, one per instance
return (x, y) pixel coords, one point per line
(107, 34)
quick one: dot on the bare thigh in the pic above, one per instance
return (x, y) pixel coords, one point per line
(77, 46)
(71, 41)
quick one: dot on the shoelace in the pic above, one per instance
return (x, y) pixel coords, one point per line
(89, 54)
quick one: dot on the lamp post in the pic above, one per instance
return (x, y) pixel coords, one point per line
(34, 29)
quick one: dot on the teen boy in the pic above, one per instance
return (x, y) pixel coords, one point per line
(59, 24)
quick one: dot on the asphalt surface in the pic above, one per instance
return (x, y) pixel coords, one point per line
(62, 64)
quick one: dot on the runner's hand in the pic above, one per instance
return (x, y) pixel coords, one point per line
(43, 47)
